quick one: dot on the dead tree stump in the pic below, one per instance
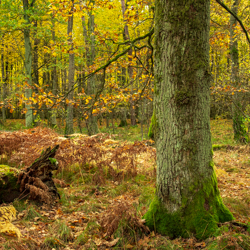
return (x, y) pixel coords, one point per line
(36, 181)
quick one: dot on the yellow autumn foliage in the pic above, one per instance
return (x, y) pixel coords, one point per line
(8, 214)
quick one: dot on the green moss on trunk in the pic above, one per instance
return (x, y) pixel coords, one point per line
(199, 217)
(152, 127)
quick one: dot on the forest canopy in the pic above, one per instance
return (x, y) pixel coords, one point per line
(109, 45)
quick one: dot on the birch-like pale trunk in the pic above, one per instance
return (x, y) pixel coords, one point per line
(187, 198)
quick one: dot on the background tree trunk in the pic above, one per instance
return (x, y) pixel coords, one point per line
(89, 36)
(4, 66)
(28, 63)
(130, 69)
(187, 197)
(69, 120)
(54, 79)
(35, 71)
(240, 133)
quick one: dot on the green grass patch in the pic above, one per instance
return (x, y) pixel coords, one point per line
(60, 229)
(222, 131)
(31, 213)
(237, 206)
(52, 243)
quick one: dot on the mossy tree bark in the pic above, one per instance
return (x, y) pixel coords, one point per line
(187, 198)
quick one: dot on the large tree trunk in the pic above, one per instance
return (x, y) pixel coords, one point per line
(69, 120)
(187, 197)
(240, 133)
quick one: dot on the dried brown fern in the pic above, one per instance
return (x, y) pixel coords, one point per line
(121, 210)
(121, 160)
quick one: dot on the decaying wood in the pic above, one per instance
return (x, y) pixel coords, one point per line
(36, 181)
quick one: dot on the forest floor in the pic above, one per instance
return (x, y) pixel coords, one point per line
(106, 183)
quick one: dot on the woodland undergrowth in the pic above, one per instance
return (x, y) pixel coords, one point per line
(106, 186)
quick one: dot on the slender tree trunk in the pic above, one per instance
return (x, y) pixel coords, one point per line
(112, 120)
(142, 118)
(107, 119)
(89, 36)
(4, 67)
(54, 79)
(240, 133)
(3, 80)
(130, 69)
(80, 87)
(69, 120)
(35, 73)
(187, 198)
(28, 64)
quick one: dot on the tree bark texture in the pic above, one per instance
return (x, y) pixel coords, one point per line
(187, 197)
